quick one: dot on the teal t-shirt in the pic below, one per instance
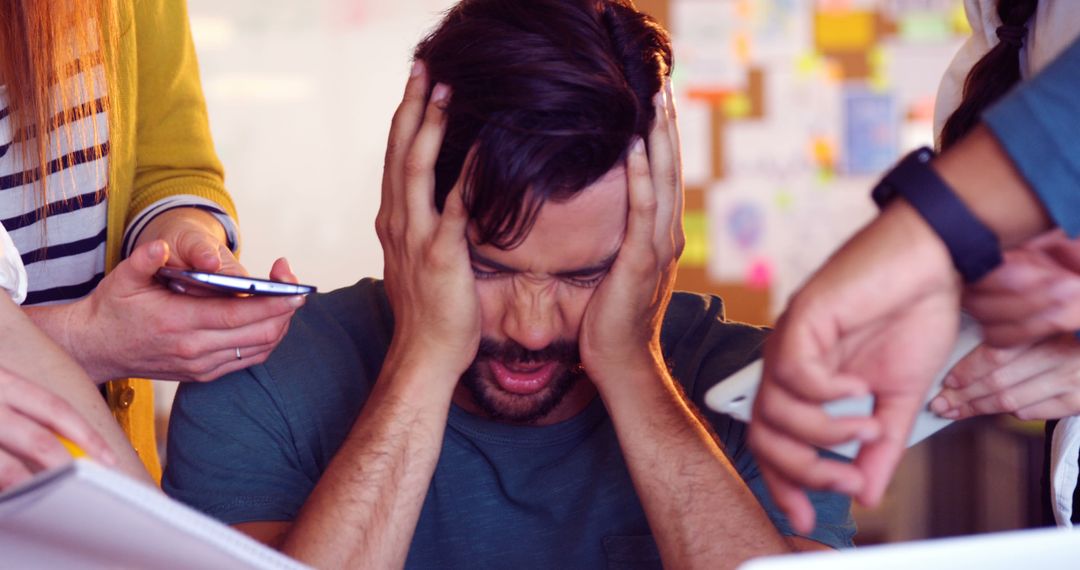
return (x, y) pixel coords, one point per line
(251, 446)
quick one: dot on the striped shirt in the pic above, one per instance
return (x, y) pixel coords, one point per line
(64, 252)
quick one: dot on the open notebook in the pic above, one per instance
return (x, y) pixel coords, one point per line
(86, 516)
(1045, 549)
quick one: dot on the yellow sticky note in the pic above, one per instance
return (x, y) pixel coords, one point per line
(845, 31)
(737, 106)
(71, 448)
(696, 227)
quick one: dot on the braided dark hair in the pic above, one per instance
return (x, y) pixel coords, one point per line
(993, 75)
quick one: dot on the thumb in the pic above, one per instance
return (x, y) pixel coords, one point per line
(199, 251)
(144, 261)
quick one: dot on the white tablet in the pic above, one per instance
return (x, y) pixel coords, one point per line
(735, 395)
(1044, 548)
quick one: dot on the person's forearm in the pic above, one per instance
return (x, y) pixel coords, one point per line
(26, 350)
(983, 176)
(701, 512)
(364, 510)
(63, 324)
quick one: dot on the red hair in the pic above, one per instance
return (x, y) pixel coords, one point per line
(45, 45)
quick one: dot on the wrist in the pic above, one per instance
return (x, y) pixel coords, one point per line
(628, 372)
(177, 219)
(973, 248)
(418, 377)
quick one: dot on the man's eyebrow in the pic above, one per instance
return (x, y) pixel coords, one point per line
(600, 267)
(479, 258)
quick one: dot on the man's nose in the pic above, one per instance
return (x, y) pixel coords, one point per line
(532, 318)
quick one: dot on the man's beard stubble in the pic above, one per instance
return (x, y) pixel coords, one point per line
(501, 405)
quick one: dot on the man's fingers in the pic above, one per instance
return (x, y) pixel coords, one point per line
(403, 128)
(450, 232)
(664, 176)
(641, 222)
(676, 143)
(420, 165)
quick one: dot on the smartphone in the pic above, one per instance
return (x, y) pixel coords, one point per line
(182, 280)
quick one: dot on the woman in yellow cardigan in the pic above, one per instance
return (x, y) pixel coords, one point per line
(107, 173)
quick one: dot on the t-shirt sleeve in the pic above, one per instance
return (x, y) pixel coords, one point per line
(1036, 126)
(230, 451)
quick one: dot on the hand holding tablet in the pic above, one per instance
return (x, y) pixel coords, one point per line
(735, 395)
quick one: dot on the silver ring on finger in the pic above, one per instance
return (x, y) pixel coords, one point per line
(238, 357)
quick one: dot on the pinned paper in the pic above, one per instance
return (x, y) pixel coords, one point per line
(737, 106)
(745, 225)
(760, 274)
(845, 31)
(696, 253)
(926, 26)
(871, 131)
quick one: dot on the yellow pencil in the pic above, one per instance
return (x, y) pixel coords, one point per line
(73, 449)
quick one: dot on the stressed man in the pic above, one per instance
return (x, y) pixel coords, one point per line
(521, 390)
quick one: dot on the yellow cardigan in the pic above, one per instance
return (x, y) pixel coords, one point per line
(160, 146)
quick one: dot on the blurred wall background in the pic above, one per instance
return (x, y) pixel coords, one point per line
(790, 110)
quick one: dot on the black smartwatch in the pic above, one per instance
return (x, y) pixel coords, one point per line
(974, 249)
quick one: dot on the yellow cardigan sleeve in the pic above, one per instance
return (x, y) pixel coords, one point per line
(160, 146)
(174, 150)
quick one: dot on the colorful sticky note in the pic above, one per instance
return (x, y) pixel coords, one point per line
(696, 252)
(926, 26)
(737, 106)
(845, 31)
(760, 274)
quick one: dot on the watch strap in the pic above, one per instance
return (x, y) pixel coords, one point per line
(974, 249)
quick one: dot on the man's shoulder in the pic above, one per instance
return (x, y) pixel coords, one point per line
(335, 344)
(702, 346)
(342, 328)
(695, 319)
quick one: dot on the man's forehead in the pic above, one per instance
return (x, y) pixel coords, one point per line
(581, 231)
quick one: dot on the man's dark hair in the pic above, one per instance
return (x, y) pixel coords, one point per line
(548, 92)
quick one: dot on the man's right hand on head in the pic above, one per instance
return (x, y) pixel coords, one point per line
(429, 278)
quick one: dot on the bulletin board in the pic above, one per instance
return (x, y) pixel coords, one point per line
(789, 111)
